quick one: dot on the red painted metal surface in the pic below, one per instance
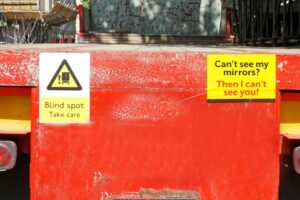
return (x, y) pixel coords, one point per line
(159, 139)
(15, 91)
(18, 68)
(288, 76)
(152, 127)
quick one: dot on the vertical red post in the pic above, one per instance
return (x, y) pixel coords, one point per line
(71, 39)
(228, 21)
(63, 39)
(80, 13)
(54, 39)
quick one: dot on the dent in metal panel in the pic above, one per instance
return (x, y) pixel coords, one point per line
(158, 194)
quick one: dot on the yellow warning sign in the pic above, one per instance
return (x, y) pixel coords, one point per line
(64, 79)
(241, 76)
(64, 109)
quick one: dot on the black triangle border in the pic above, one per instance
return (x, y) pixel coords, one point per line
(64, 62)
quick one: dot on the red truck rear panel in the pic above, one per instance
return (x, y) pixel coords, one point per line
(152, 127)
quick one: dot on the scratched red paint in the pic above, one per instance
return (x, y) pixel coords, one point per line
(148, 70)
(288, 72)
(18, 67)
(152, 127)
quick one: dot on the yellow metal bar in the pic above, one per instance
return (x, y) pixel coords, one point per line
(15, 115)
(290, 118)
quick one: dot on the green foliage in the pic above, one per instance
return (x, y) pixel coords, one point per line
(86, 4)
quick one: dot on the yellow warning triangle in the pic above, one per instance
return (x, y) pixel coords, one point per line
(64, 79)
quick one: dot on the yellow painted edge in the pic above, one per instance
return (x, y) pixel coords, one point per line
(290, 128)
(9, 126)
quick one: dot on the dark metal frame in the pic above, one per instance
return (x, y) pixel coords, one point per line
(266, 22)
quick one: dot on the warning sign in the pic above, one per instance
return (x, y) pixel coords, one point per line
(244, 76)
(64, 79)
(64, 88)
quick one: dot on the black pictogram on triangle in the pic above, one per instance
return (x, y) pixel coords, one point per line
(64, 79)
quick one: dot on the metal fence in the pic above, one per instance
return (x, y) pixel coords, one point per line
(266, 22)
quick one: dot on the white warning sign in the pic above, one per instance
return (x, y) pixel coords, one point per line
(64, 88)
